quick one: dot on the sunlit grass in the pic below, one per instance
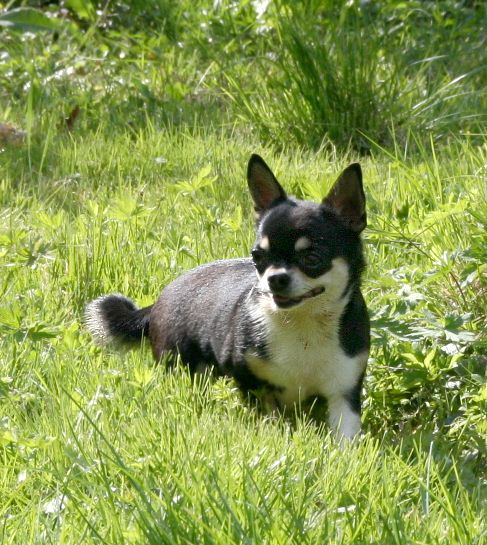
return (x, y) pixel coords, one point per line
(105, 447)
(148, 180)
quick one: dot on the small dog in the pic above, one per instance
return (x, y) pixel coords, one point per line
(291, 319)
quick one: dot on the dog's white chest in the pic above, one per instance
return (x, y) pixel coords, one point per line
(305, 359)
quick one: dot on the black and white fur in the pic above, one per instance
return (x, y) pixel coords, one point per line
(291, 319)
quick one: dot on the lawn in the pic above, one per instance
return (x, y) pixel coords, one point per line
(126, 134)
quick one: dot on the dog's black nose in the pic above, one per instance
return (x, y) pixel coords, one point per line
(279, 281)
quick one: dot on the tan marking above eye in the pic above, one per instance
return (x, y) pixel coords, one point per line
(264, 243)
(303, 243)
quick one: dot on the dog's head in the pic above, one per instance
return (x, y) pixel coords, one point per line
(307, 251)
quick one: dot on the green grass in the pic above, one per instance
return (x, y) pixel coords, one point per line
(342, 72)
(106, 448)
(98, 446)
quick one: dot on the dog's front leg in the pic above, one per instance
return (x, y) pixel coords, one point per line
(343, 420)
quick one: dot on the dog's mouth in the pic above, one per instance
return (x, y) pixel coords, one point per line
(288, 302)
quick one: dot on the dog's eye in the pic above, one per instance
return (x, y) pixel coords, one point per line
(258, 255)
(311, 260)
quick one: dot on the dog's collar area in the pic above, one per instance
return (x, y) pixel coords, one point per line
(288, 302)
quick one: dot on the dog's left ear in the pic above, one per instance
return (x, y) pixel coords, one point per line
(264, 187)
(347, 198)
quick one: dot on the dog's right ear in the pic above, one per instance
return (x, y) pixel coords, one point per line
(264, 187)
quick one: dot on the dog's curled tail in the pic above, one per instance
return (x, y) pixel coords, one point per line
(115, 319)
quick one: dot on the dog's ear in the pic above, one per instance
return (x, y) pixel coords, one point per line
(264, 187)
(347, 198)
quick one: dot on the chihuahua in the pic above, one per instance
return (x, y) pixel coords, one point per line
(290, 320)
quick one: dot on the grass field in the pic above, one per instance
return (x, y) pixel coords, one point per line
(148, 181)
